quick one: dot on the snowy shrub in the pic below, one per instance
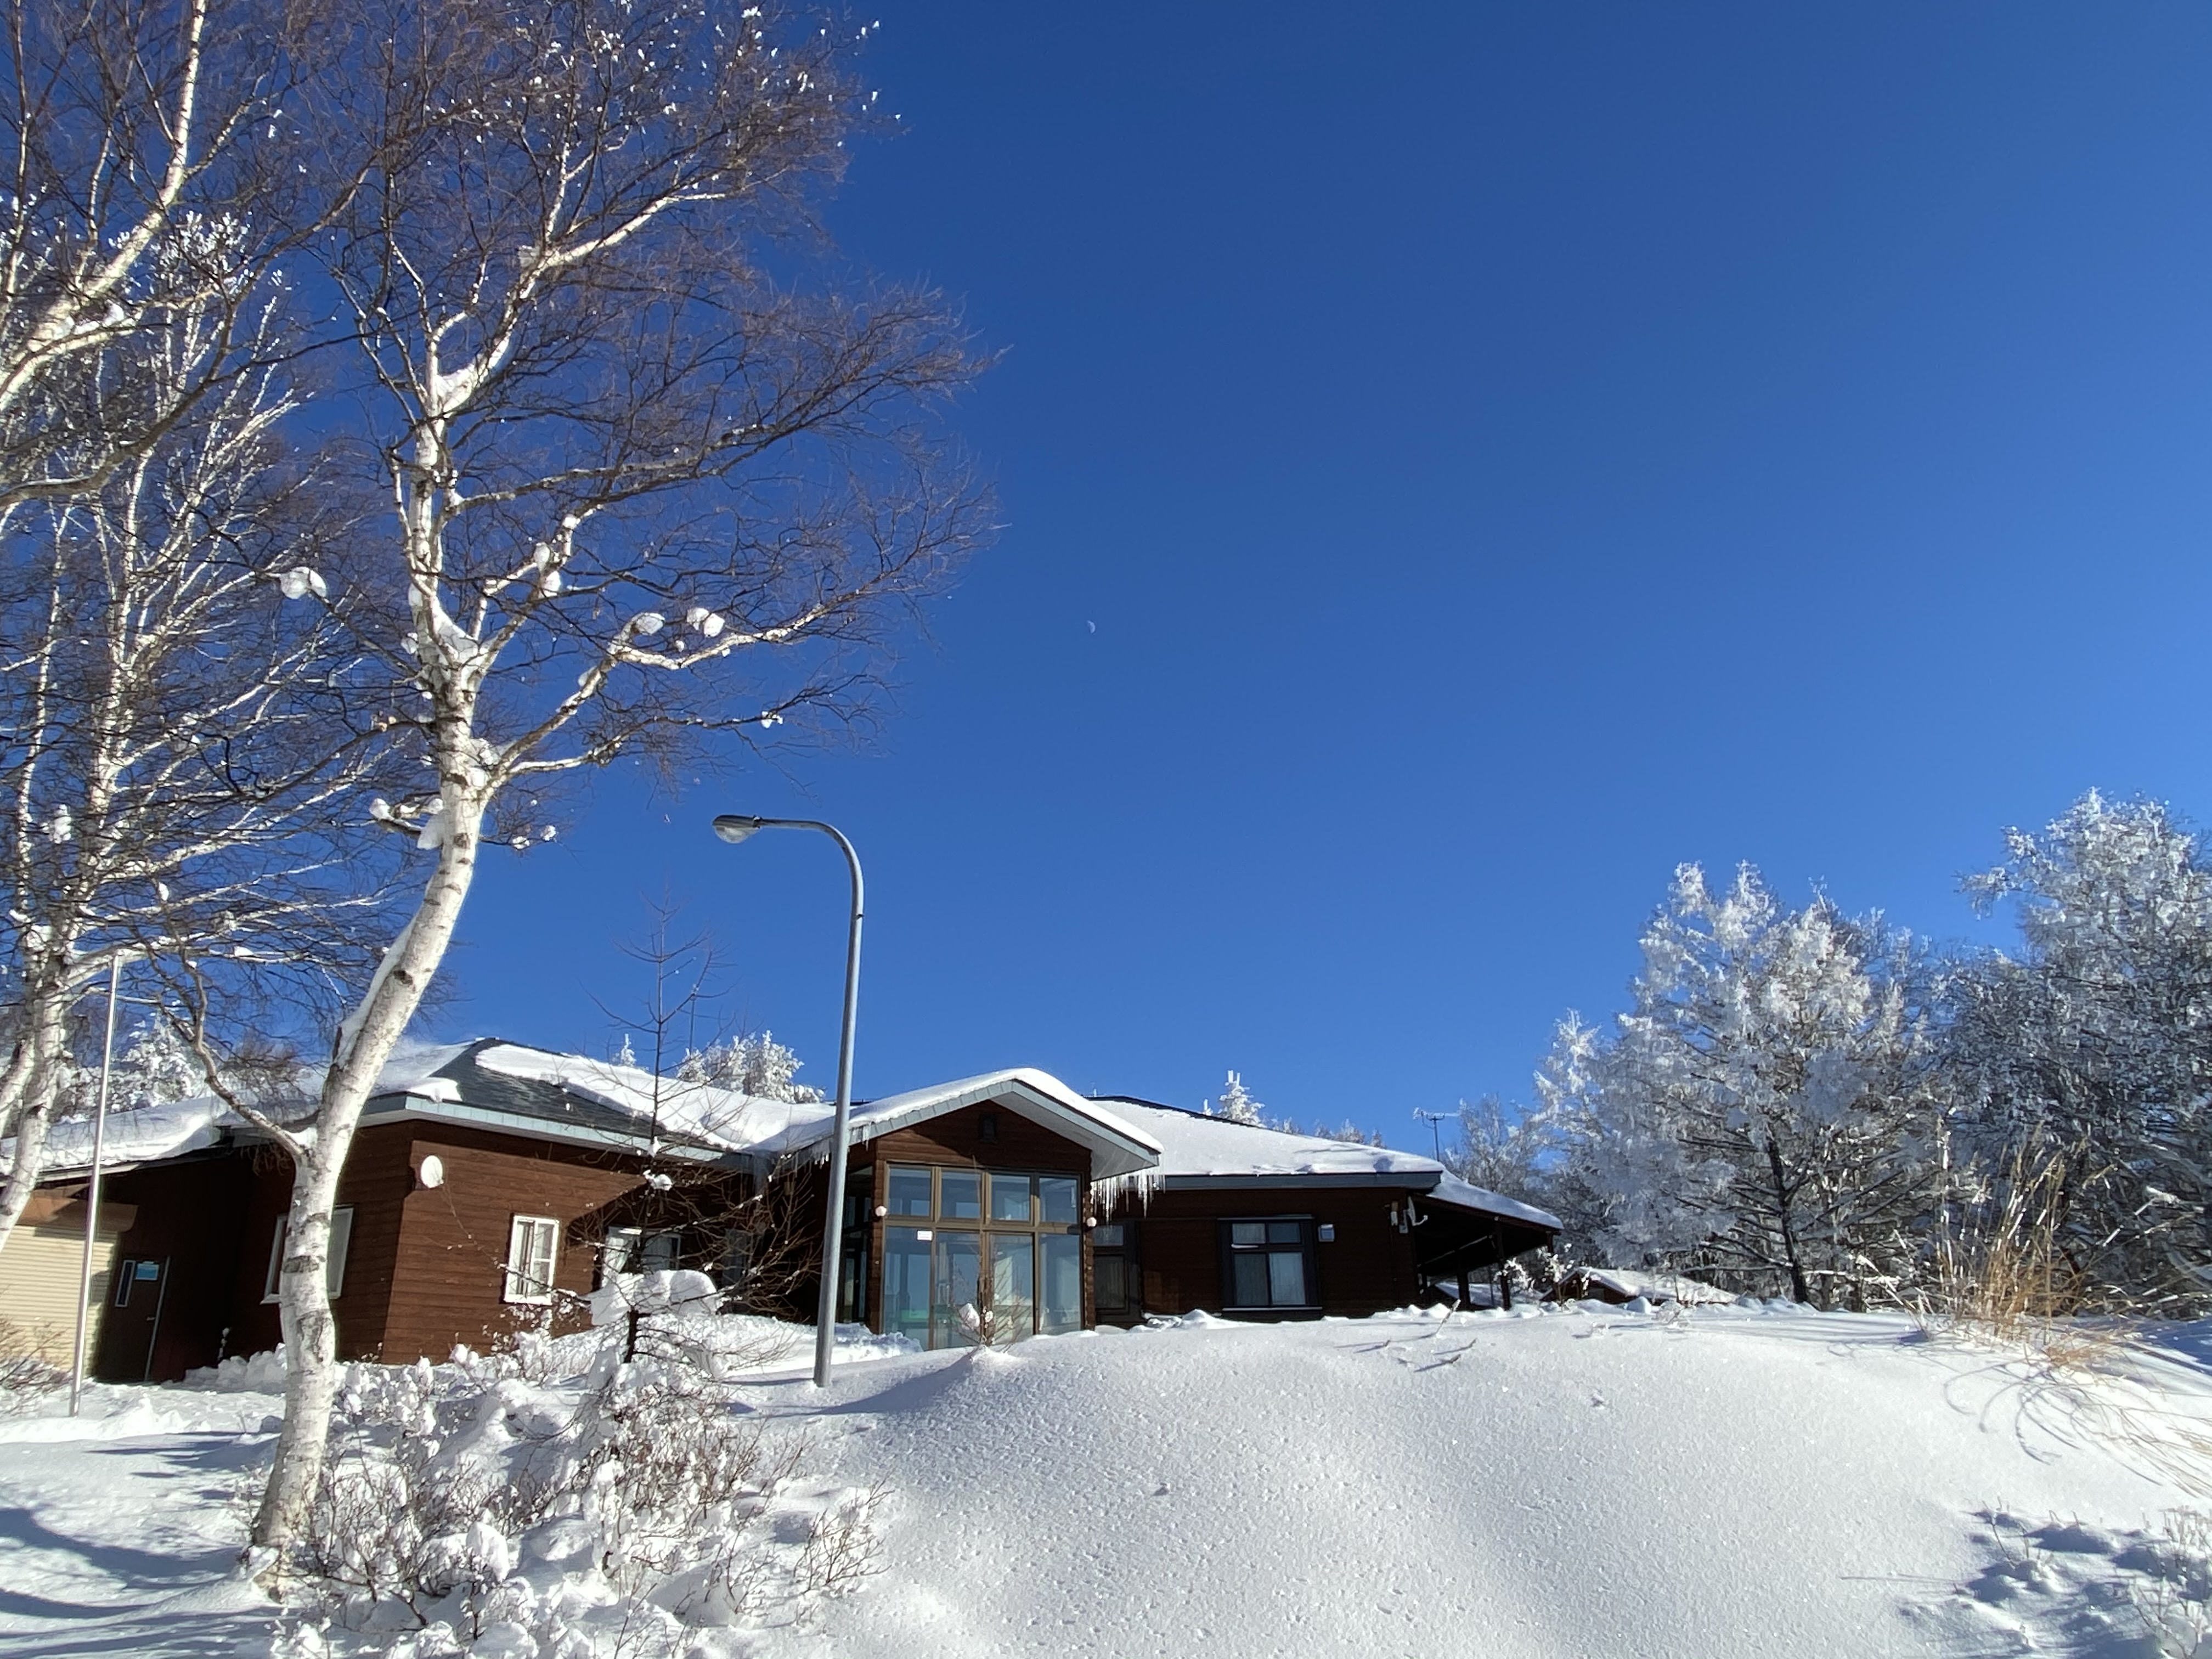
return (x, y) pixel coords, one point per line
(2171, 1585)
(489, 1506)
(28, 1380)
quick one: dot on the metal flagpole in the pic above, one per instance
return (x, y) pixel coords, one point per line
(92, 1191)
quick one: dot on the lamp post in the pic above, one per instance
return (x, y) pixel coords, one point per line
(734, 828)
(92, 1194)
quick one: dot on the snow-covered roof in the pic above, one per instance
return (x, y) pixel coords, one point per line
(724, 1119)
(1118, 1145)
(1450, 1189)
(534, 1091)
(135, 1136)
(1196, 1147)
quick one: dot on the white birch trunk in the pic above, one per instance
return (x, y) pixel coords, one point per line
(310, 1331)
(31, 1076)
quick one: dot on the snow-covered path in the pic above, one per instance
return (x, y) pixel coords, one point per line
(120, 1539)
(1578, 1485)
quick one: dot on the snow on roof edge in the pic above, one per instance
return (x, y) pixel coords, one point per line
(1450, 1189)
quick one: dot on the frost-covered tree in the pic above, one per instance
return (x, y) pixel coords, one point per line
(1237, 1105)
(2088, 1050)
(753, 1064)
(1767, 1111)
(1499, 1150)
(657, 475)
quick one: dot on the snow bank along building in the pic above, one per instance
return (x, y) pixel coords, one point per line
(494, 1186)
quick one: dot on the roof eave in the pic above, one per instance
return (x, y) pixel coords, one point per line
(1111, 1154)
(404, 1107)
(1420, 1181)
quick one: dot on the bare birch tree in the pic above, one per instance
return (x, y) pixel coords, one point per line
(181, 733)
(144, 145)
(659, 471)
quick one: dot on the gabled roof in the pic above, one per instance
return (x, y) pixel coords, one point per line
(532, 1091)
(1118, 1147)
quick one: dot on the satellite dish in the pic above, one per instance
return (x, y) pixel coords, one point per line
(431, 1171)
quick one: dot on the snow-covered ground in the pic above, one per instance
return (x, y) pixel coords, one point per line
(1592, 1483)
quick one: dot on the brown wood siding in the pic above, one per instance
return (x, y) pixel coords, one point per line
(190, 1217)
(1366, 1268)
(449, 1268)
(426, 1267)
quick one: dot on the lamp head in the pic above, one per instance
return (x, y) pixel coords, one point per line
(734, 827)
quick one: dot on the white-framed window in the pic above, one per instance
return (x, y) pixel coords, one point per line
(333, 1269)
(533, 1241)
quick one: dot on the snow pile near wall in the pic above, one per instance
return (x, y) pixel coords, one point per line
(112, 1412)
(241, 1373)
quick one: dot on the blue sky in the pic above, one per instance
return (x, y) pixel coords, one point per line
(1504, 451)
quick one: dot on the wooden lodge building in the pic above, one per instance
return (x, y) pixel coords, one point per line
(493, 1187)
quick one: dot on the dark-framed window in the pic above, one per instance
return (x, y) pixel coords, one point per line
(1114, 1286)
(640, 1250)
(1267, 1265)
(975, 1256)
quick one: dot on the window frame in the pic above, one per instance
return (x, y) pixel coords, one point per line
(1231, 1250)
(1124, 1250)
(334, 1267)
(936, 1231)
(517, 1270)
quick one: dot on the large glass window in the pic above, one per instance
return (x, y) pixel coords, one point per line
(1270, 1264)
(906, 1283)
(909, 1191)
(1057, 1197)
(960, 1195)
(1012, 1312)
(1009, 1197)
(999, 1256)
(954, 1316)
(1062, 1306)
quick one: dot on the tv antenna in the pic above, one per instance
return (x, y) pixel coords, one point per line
(1436, 1136)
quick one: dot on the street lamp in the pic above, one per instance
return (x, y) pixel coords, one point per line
(734, 828)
